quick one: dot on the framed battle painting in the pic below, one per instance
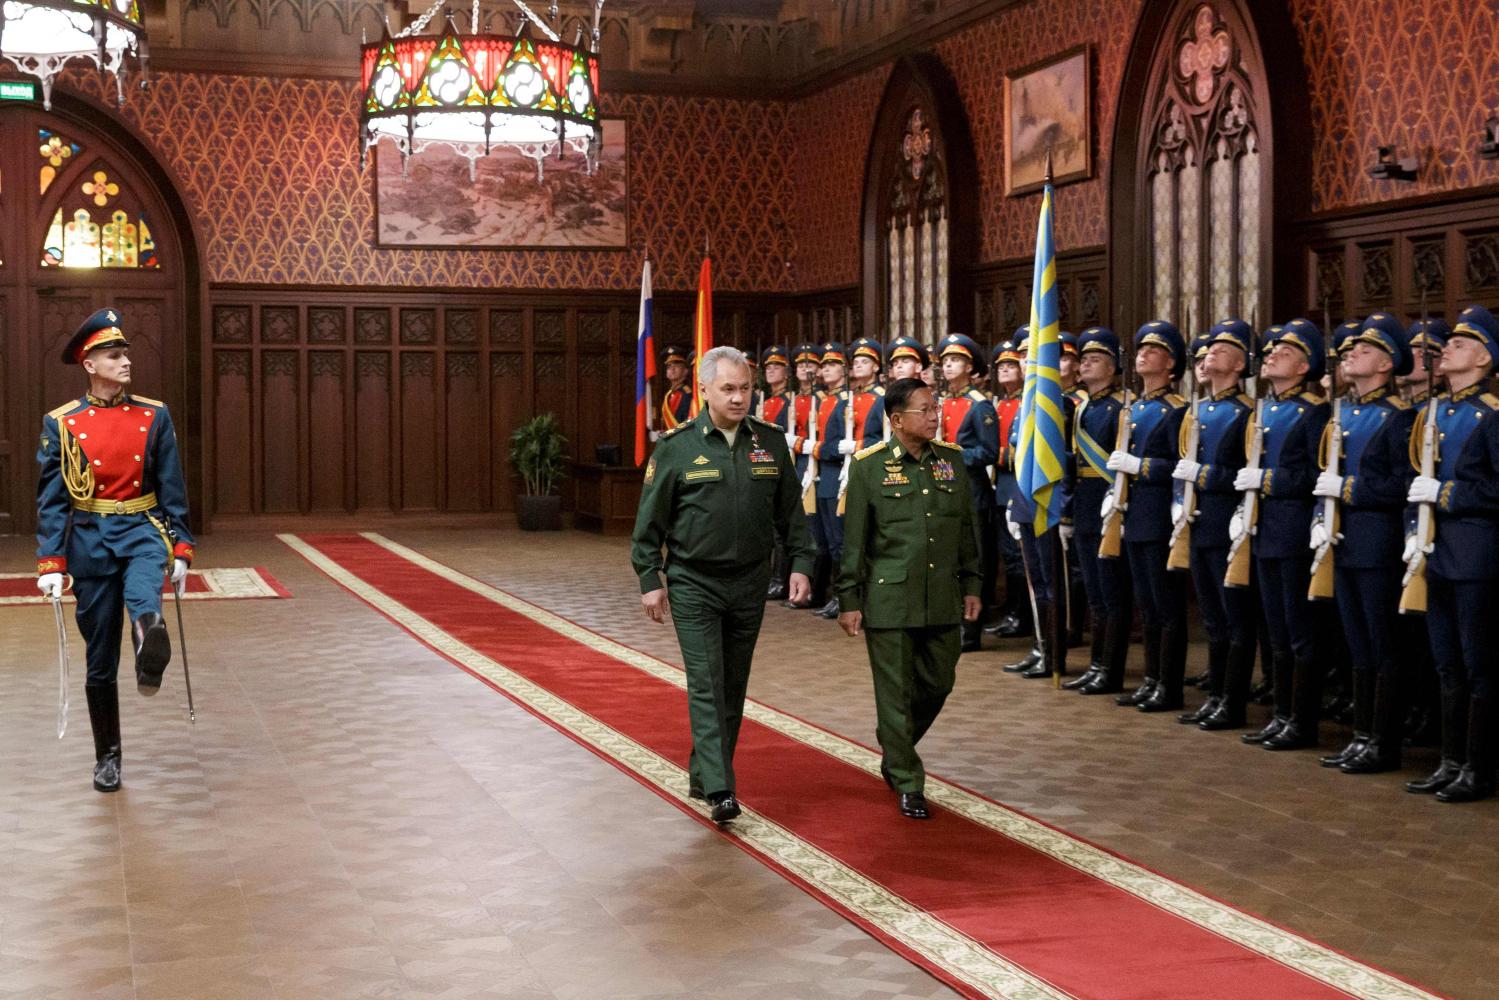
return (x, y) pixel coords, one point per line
(1049, 107)
(503, 206)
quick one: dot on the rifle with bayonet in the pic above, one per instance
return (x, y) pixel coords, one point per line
(1321, 587)
(1241, 548)
(1185, 513)
(1413, 586)
(1113, 525)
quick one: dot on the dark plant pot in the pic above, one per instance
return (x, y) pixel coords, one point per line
(538, 513)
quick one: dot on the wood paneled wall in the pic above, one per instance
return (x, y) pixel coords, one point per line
(326, 401)
(1002, 295)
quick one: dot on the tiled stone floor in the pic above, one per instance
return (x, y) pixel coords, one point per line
(354, 817)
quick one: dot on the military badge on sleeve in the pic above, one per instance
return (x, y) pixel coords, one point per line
(650, 471)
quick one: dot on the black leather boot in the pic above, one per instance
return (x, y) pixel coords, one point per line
(1381, 751)
(153, 651)
(779, 569)
(1363, 721)
(1115, 653)
(104, 718)
(1095, 659)
(1300, 733)
(828, 610)
(1167, 696)
(1150, 641)
(1025, 663)
(1476, 780)
(1217, 670)
(1454, 711)
(1042, 662)
(1280, 678)
(1230, 711)
(1016, 623)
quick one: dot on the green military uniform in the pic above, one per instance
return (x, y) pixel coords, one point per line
(909, 559)
(718, 509)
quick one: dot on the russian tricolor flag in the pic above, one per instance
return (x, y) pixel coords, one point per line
(645, 367)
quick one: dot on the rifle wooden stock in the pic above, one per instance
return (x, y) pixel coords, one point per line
(1321, 587)
(809, 491)
(1413, 594)
(1113, 528)
(1238, 562)
(1322, 583)
(1181, 545)
(1113, 536)
(1413, 587)
(1238, 574)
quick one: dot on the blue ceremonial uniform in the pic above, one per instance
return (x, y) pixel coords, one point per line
(1292, 433)
(118, 539)
(1105, 581)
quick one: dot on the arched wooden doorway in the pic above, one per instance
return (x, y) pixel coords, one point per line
(87, 219)
(1209, 163)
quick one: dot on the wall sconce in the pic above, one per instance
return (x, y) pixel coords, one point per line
(1389, 166)
(1488, 146)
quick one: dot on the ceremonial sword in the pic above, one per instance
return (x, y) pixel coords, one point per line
(62, 664)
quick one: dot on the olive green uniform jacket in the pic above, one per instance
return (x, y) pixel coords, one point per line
(719, 510)
(910, 552)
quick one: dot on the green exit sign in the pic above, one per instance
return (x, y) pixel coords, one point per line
(18, 90)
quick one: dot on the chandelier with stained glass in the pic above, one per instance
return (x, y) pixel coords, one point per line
(477, 92)
(40, 36)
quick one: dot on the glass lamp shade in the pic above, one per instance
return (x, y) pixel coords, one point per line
(475, 92)
(39, 37)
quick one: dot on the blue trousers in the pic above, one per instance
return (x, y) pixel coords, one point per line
(1160, 594)
(1288, 614)
(135, 587)
(1106, 581)
(828, 530)
(1460, 617)
(1369, 604)
(1228, 613)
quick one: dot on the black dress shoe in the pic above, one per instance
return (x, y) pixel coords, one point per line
(1353, 749)
(107, 773)
(1445, 774)
(1160, 701)
(1470, 786)
(153, 650)
(1015, 627)
(776, 591)
(1275, 725)
(1223, 717)
(1377, 757)
(1085, 678)
(1039, 670)
(1204, 710)
(795, 606)
(1021, 666)
(828, 610)
(725, 806)
(1139, 695)
(1292, 737)
(913, 806)
(1101, 684)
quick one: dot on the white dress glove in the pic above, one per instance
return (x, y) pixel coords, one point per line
(1424, 489)
(847, 447)
(1065, 532)
(1330, 485)
(1412, 546)
(1123, 461)
(1177, 511)
(791, 441)
(50, 584)
(1011, 526)
(1319, 535)
(654, 436)
(807, 447)
(179, 575)
(1236, 527)
(1106, 509)
(1186, 470)
(1249, 478)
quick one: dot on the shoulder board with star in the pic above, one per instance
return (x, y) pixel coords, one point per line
(673, 432)
(871, 450)
(951, 446)
(1490, 400)
(975, 395)
(148, 402)
(762, 422)
(878, 390)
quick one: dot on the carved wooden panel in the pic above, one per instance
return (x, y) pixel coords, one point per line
(372, 433)
(419, 431)
(233, 469)
(231, 324)
(465, 435)
(280, 458)
(372, 326)
(278, 325)
(326, 434)
(461, 326)
(418, 326)
(325, 325)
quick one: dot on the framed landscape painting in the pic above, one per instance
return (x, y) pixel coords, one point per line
(436, 204)
(1048, 107)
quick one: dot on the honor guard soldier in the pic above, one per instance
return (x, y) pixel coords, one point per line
(832, 449)
(1014, 618)
(863, 381)
(904, 358)
(1462, 570)
(1221, 415)
(1095, 429)
(1369, 486)
(1155, 428)
(967, 419)
(112, 512)
(776, 407)
(801, 418)
(1290, 429)
(909, 589)
(719, 492)
(676, 404)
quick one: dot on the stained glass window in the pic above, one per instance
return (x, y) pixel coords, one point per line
(915, 229)
(56, 152)
(1204, 176)
(97, 223)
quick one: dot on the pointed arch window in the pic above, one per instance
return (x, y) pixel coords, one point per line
(1203, 173)
(94, 217)
(914, 234)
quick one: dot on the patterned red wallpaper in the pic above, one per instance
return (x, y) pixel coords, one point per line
(1417, 74)
(270, 169)
(831, 132)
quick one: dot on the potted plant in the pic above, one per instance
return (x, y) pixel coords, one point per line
(536, 455)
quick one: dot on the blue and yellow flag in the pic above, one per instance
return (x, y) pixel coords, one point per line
(1041, 456)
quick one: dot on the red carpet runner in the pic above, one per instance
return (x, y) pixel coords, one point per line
(221, 583)
(987, 899)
